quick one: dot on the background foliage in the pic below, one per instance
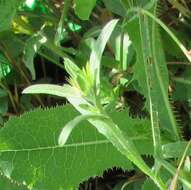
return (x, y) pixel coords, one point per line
(123, 65)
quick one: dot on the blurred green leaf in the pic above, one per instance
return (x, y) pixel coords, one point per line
(83, 8)
(3, 101)
(5, 68)
(7, 12)
(149, 185)
(115, 6)
(30, 4)
(32, 46)
(74, 27)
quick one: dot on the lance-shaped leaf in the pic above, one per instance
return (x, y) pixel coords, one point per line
(98, 48)
(151, 71)
(62, 91)
(67, 130)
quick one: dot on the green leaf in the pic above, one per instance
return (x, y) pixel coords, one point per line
(115, 6)
(60, 29)
(7, 13)
(72, 69)
(83, 8)
(187, 167)
(3, 101)
(32, 46)
(175, 150)
(66, 131)
(1, 120)
(149, 185)
(56, 90)
(29, 152)
(113, 133)
(98, 48)
(30, 4)
(170, 33)
(7, 184)
(3, 105)
(151, 72)
(4, 66)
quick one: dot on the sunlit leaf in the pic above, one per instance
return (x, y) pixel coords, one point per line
(32, 46)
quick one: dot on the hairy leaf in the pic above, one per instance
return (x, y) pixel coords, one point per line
(151, 70)
(7, 184)
(30, 153)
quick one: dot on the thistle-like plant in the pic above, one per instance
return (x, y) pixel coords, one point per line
(84, 94)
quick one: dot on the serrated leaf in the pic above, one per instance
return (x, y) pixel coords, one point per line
(7, 184)
(30, 154)
(152, 74)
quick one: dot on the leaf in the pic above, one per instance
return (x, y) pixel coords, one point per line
(32, 46)
(187, 169)
(66, 131)
(175, 150)
(151, 71)
(1, 120)
(115, 6)
(72, 69)
(170, 33)
(4, 66)
(98, 48)
(124, 145)
(3, 101)
(173, 184)
(149, 185)
(7, 184)
(62, 91)
(113, 133)
(29, 152)
(3, 105)
(8, 11)
(60, 29)
(83, 8)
